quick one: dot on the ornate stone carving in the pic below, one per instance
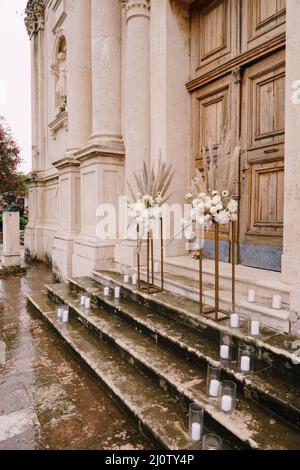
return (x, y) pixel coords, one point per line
(34, 16)
(136, 8)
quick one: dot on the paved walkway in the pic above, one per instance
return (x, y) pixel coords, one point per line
(47, 400)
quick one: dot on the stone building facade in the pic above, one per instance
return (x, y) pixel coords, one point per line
(116, 82)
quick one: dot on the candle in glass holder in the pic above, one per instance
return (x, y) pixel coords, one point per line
(126, 278)
(195, 422)
(234, 320)
(277, 302)
(212, 442)
(59, 311)
(117, 292)
(106, 291)
(251, 295)
(254, 328)
(87, 304)
(224, 351)
(65, 315)
(134, 279)
(226, 403)
(82, 300)
(245, 363)
(214, 388)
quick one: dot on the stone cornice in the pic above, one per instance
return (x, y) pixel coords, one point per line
(136, 8)
(34, 16)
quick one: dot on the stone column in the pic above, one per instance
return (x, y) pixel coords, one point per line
(78, 74)
(137, 86)
(291, 237)
(11, 240)
(106, 74)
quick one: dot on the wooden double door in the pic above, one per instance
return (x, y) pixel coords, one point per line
(238, 82)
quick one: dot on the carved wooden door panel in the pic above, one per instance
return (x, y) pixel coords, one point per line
(263, 98)
(238, 80)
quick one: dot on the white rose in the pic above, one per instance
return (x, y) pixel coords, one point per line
(222, 218)
(195, 202)
(208, 203)
(189, 196)
(219, 207)
(233, 217)
(216, 200)
(214, 193)
(202, 196)
(213, 210)
(232, 205)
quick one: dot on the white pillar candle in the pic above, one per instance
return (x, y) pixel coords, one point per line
(134, 279)
(87, 303)
(65, 316)
(245, 363)
(254, 328)
(234, 320)
(117, 292)
(156, 267)
(224, 351)
(251, 296)
(126, 278)
(196, 432)
(59, 312)
(82, 300)
(277, 302)
(106, 291)
(214, 388)
(226, 403)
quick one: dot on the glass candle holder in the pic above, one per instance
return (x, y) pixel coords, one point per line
(277, 302)
(106, 292)
(195, 422)
(88, 299)
(126, 278)
(227, 396)
(254, 327)
(213, 381)
(134, 278)
(212, 442)
(82, 298)
(65, 314)
(234, 320)
(59, 311)
(251, 296)
(246, 357)
(117, 292)
(225, 346)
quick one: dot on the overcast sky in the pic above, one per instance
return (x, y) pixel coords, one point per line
(15, 75)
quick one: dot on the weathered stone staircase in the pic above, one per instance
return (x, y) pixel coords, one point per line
(151, 353)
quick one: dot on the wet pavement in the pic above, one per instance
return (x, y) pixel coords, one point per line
(47, 399)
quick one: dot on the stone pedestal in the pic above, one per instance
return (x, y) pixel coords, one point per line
(11, 240)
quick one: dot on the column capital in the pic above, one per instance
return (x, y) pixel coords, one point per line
(136, 8)
(34, 16)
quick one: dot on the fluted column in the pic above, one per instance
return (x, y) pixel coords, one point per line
(106, 73)
(79, 73)
(137, 85)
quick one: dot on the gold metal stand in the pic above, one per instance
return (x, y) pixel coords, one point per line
(150, 286)
(219, 314)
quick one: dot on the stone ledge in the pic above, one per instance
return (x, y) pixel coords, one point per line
(12, 271)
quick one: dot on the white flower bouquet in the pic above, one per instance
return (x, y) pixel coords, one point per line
(152, 192)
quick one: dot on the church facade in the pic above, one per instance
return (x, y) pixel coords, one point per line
(119, 82)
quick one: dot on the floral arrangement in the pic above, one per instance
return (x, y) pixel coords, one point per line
(153, 186)
(220, 171)
(212, 207)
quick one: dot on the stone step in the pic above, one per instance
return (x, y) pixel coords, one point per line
(249, 423)
(160, 417)
(274, 347)
(266, 283)
(189, 288)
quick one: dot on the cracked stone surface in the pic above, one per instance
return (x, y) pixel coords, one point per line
(47, 400)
